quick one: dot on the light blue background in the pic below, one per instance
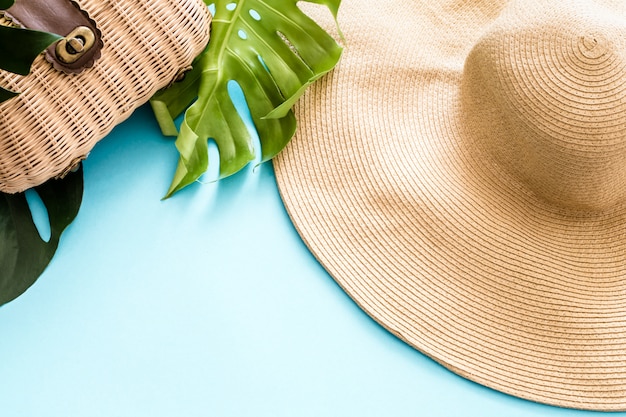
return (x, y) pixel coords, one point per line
(207, 304)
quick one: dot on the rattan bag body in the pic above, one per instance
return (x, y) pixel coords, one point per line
(59, 116)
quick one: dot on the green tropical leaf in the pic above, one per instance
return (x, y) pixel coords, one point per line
(5, 4)
(273, 51)
(24, 253)
(6, 94)
(170, 103)
(19, 48)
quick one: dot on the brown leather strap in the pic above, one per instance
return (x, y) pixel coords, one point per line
(64, 18)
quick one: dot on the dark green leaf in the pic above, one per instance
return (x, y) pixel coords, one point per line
(273, 51)
(19, 48)
(24, 255)
(6, 94)
(5, 4)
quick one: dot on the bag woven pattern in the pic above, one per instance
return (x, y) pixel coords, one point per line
(58, 117)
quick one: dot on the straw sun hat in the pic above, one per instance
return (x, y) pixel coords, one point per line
(462, 175)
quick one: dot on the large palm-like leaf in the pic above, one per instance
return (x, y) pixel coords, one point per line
(24, 253)
(273, 50)
(19, 48)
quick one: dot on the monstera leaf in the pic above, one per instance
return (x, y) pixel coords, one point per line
(273, 51)
(19, 48)
(24, 252)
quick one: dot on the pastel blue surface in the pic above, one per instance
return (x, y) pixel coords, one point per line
(207, 304)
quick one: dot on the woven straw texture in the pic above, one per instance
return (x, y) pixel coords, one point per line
(58, 118)
(462, 176)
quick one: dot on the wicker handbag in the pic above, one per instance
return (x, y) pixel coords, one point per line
(116, 54)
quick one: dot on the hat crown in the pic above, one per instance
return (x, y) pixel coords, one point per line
(546, 89)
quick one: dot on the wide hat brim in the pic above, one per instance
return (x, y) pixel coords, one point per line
(441, 248)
